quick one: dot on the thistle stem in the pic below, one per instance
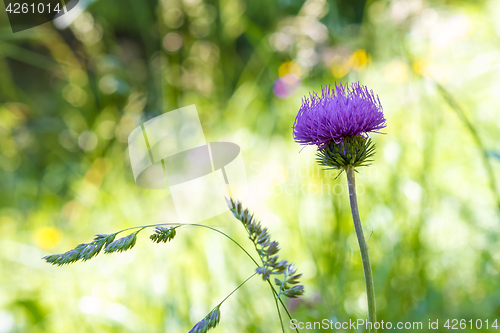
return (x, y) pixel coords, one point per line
(370, 292)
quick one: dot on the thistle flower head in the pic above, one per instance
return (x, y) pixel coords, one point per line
(346, 111)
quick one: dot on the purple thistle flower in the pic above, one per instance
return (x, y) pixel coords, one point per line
(344, 112)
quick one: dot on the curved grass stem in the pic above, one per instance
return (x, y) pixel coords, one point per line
(477, 139)
(275, 293)
(232, 292)
(279, 314)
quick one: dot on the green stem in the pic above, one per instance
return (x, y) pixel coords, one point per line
(235, 242)
(224, 234)
(282, 304)
(370, 292)
(279, 314)
(241, 284)
(276, 294)
(477, 139)
(255, 262)
(277, 298)
(232, 292)
(194, 225)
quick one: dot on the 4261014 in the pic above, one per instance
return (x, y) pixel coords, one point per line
(462, 324)
(32, 8)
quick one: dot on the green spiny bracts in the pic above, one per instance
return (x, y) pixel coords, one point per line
(351, 152)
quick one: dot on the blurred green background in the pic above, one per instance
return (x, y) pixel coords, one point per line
(70, 96)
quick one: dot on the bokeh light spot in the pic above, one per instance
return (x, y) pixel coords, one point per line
(289, 67)
(47, 238)
(172, 42)
(87, 140)
(359, 59)
(339, 66)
